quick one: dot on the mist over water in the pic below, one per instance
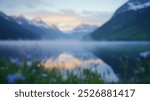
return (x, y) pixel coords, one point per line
(47, 48)
(96, 56)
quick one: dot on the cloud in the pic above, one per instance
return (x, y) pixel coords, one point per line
(23, 5)
(68, 19)
(62, 20)
(68, 12)
(65, 19)
(101, 16)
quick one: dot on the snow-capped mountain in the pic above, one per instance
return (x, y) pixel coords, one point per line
(39, 27)
(81, 30)
(84, 28)
(4, 15)
(12, 27)
(133, 5)
(39, 22)
(20, 19)
(130, 22)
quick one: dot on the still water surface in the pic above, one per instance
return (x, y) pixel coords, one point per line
(103, 57)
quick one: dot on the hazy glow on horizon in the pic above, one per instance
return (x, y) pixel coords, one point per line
(65, 14)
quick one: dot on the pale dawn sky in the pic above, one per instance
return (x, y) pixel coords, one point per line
(65, 14)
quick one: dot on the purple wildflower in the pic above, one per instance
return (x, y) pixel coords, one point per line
(33, 71)
(44, 75)
(15, 61)
(12, 78)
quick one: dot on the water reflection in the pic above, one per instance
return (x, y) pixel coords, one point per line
(64, 60)
(99, 57)
(76, 65)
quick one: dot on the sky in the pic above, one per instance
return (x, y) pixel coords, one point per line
(65, 14)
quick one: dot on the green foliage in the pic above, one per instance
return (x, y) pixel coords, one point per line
(36, 74)
(130, 25)
(140, 74)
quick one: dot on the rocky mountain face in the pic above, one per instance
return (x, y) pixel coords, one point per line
(133, 5)
(13, 28)
(80, 31)
(9, 29)
(130, 22)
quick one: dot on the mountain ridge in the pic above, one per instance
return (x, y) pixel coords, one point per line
(125, 25)
(20, 28)
(80, 31)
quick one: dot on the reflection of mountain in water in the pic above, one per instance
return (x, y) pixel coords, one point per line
(87, 55)
(76, 66)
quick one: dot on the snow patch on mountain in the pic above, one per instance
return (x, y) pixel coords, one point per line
(133, 6)
(4, 16)
(39, 22)
(19, 22)
(80, 31)
(85, 28)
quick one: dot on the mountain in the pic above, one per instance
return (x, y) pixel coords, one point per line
(81, 30)
(130, 22)
(9, 29)
(13, 28)
(39, 27)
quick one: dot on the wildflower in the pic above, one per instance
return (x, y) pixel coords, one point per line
(15, 61)
(12, 78)
(44, 75)
(33, 71)
(29, 63)
(145, 54)
(29, 57)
